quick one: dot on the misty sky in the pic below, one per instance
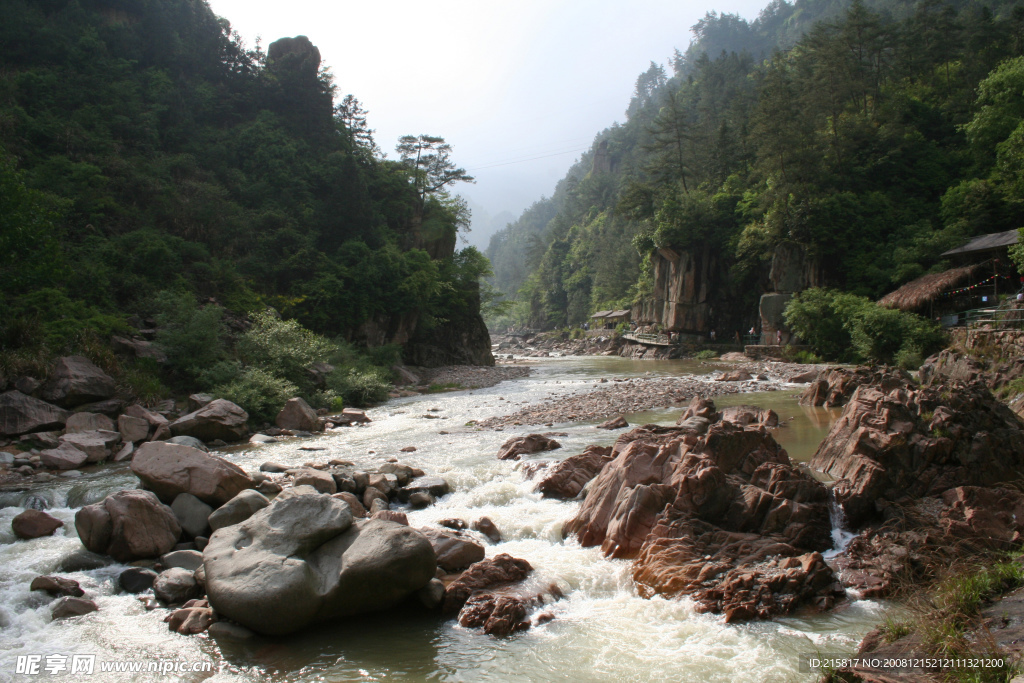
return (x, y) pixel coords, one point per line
(519, 88)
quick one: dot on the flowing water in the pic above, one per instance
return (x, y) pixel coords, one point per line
(602, 630)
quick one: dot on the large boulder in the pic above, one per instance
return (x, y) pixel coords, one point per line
(64, 457)
(518, 446)
(169, 469)
(159, 426)
(220, 419)
(896, 442)
(567, 479)
(128, 525)
(697, 511)
(34, 524)
(97, 445)
(298, 416)
(132, 429)
(454, 549)
(238, 509)
(76, 380)
(500, 570)
(21, 414)
(302, 560)
(192, 514)
(88, 422)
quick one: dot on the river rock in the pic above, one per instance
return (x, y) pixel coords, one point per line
(614, 423)
(297, 416)
(220, 419)
(699, 512)
(136, 579)
(321, 481)
(88, 422)
(128, 525)
(420, 500)
(404, 376)
(432, 595)
(223, 630)
(190, 560)
(132, 429)
(302, 560)
(169, 469)
(57, 585)
(750, 415)
(493, 572)
(238, 509)
(353, 503)
(156, 421)
(834, 387)
(97, 445)
(395, 516)
(190, 441)
(496, 615)
(190, 620)
(125, 453)
(73, 607)
(518, 446)
(454, 549)
(435, 486)
(735, 376)
(20, 414)
(485, 526)
(76, 380)
(354, 415)
(896, 442)
(64, 457)
(175, 586)
(192, 514)
(273, 468)
(34, 524)
(566, 479)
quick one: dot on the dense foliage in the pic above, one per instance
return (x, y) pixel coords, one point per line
(874, 135)
(150, 161)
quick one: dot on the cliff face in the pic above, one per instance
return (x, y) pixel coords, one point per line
(792, 271)
(462, 340)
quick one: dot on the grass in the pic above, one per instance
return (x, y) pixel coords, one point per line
(706, 354)
(440, 388)
(893, 629)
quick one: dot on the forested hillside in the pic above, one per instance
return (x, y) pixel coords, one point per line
(147, 154)
(870, 137)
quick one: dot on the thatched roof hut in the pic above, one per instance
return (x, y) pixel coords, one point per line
(920, 292)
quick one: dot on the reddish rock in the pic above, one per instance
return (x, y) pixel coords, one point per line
(518, 446)
(64, 457)
(57, 585)
(76, 380)
(496, 571)
(219, 419)
(735, 376)
(21, 414)
(391, 516)
(454, 549)
(128, 525)
(835, 387)
(750, 415)
(297, 416)
(353, 502)
(156, 421)
(88, 422)
(34, 524)
(168, 469)
(73, 607)
(566, 479)
(190, 620)
(497, 615)
(614, 423)
(485, 526)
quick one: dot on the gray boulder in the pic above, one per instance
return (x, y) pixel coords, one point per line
(76, 380)
(197, 401)
(183, 559)
(302, 560)
(321, 481)
(20, 414)
(73, 607)
(136, 579)
(238, 509)
(132, 429)
(190, 441)
(157, 422)
(169, 469)
(88, 422)
(297, 415)
(455, 550)
(128, 525)
(435, 486)
(175, 586)
(64, 457)
(219, 419)
(97, 445)
(192, 514)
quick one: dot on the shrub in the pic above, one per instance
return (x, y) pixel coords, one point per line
(260, 393)
(360, 387)
(192, 337)
(283, 348)
(706, 354)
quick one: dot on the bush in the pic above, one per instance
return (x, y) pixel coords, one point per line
(260, 393)
(706, 354)
(283, 348)
(360, 387)
(840, 326)
(192, 337)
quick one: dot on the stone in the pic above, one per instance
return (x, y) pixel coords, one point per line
(518, 446)
(496, 615)
(750, 415)
(404, 376)
(371, 494)
(297, 415)
(156, 420)
(485, 526)
(355, 415)
(169, 469)
(261, 439)
(27, 385)
(20, 414)
(126, 453)
(111, 407)
(73, 607)
(190, 620)
(273, 468)
(57, 585)
(34, 524)
(614, 423)
(136, 579)
(403, 473)
(566, 479)
(192, 514)
(238, 509)
(42, 439)
(269, 488)
(175, 586)
(353, 503)
(190, 441)
(803, 377)
(82, 560)
(378, 505)
(223, 630)
(432, 595)
(132, 429)
(128, 525)
(197, 401)
(190, 560)
(321, 481)
(492, 572)
(220, 419)
(435, 486)
(385, 483)
(420, 500)
(76, 380)
(735, 376)
(88, 422)
(391, 516)
(64, 457)
(302, 560)
(454, 549)
(97, 445)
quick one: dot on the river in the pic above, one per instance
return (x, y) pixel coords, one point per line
(602, 630)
